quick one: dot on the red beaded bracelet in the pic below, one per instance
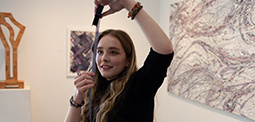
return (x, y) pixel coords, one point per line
(137, 7)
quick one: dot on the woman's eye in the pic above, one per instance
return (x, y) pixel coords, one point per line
(114, 52)
(99, 52)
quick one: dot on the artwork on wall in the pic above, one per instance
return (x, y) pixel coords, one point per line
(79, 50)
(214, 61)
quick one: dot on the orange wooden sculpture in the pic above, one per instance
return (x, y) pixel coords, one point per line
(11, 82)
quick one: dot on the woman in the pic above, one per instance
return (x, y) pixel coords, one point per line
(120, 92)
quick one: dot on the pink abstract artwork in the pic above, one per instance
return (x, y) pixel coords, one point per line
(214, 60)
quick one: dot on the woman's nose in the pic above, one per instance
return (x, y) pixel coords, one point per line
(105, 58)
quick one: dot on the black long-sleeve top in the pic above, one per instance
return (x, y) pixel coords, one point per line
(136, 102)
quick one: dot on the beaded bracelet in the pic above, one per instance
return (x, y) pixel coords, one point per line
(135, 10)
(72, 103)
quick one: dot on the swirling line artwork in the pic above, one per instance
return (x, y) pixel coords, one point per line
(214, 60)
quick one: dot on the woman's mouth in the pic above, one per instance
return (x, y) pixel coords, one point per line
(106, 67)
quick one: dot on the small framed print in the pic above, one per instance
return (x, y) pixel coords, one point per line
(79, 54)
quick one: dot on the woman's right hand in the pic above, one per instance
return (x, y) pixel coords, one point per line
(82, 83)
(115, 5)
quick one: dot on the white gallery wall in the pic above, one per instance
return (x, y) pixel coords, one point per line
(42, 56)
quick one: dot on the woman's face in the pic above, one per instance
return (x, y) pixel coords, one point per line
(111, 57)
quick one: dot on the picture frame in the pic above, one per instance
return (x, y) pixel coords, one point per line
(79, 54)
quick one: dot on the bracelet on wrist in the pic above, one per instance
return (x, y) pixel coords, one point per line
(133, 12)
(72, 103)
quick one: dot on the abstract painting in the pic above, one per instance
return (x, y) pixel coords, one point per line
(214, 62)
(79, 50)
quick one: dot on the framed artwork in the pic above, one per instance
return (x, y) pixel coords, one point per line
(214, 60)
(79, 42)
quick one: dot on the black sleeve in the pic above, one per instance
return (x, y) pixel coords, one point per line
(154, 70)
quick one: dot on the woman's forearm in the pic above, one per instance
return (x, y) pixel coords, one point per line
(73, 114)
(153, 32)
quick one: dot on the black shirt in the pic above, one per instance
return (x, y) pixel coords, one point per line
(136, 102)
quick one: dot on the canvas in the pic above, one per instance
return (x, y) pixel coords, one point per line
(214, 60)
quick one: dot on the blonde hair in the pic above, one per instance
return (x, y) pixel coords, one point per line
(104, 96)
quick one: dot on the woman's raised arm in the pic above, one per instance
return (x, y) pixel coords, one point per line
(154, 34)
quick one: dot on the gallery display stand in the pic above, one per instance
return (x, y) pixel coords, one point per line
(15, 105)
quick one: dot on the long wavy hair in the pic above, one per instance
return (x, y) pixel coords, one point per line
(104, 94)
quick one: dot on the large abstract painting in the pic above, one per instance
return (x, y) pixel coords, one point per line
(79, 50)
(214, 61)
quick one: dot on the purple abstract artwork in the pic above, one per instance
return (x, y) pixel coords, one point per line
(214, 60)
(80, 52)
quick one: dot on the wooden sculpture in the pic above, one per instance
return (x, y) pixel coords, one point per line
(11, 82)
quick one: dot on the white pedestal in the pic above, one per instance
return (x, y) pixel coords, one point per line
(15, 105)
